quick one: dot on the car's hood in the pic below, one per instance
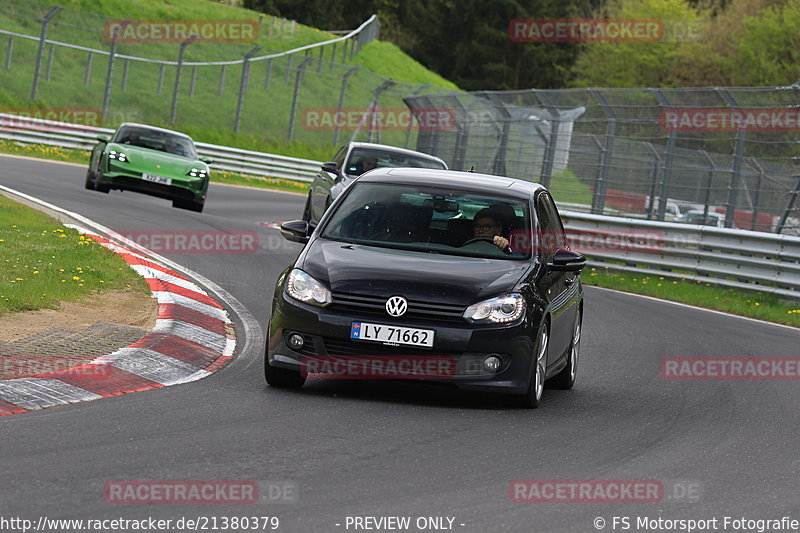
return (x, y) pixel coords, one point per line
(374, 271)
(156, 162)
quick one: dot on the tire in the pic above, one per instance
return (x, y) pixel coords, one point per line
(89, 183)
(190, 205)
(282, 378)
(565, 379)
(533, 395)
(102, 188)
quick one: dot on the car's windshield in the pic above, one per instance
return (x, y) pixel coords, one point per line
(162, 141)
(435, 220)
(364, 159)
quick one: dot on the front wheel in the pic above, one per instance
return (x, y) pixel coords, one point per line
(533, 395)
(307, 209)
(565, 379)
(89, 183)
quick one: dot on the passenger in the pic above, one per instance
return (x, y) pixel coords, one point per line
(488, 223)
(369, 163)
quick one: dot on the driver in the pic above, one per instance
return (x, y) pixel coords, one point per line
(488, 223)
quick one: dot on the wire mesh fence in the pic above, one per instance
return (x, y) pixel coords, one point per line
(82, 67)
(716, 156)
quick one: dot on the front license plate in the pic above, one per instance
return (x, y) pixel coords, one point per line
(386, 334)
(157, 179)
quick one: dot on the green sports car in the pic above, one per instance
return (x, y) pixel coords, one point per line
(150, 160)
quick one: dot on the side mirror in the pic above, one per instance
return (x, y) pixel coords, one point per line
(567, 261)
(296, 231)
(207, 160)
(104, 138)
(331, 167)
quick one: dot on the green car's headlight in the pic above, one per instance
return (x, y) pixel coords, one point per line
(303, 287)
(118, 156)
(198, 173)
(499, 310)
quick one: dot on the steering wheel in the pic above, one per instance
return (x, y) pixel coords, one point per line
(479, 239)
(506, 250)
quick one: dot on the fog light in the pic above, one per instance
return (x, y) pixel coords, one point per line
(491, 363)
(296, 341)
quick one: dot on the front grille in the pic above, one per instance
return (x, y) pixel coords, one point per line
(377, 305)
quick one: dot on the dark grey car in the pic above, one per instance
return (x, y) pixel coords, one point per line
(352, 160)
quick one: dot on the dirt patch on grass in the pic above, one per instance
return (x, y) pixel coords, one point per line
(128, 307)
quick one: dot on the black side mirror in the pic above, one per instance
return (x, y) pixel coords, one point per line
(103, 138)
(331, 167)
(296, 231)
(567, 261)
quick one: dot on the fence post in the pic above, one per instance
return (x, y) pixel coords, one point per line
(552, 140)
(288, 68)
(341, 101)
(321, 58)
(192, 81)
(498, 161)
(666, 175)
(49, 61)
(268, 73)
(411, 118)
(370, 109)
(174, 108)
(736, 171)
(654, 181)
(758, 193)
(601, 184)
(161, 78)
(87, 75)
(297, 77)
(110, 73)
(712, 167)
(221, 85)
(42, 38)
(10, 51)
(333, 55)
(789, 207)
(125, 74)
(243, 86)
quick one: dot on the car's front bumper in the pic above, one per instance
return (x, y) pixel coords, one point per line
(181, 188)
(326, 333)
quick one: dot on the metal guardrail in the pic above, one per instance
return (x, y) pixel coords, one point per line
(28, 130)
(739, 259)
(733, 258)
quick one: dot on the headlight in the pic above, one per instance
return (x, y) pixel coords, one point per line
(497, 310)
(198, 173)
(303, 287)
(119, 156)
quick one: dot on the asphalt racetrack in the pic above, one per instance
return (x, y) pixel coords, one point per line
(385, 449)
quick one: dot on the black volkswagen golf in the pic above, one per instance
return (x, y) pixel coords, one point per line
(431, 274)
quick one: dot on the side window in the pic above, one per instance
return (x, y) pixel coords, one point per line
(339, 157)
(551, 231)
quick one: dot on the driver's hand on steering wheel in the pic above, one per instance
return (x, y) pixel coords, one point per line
(500, 242)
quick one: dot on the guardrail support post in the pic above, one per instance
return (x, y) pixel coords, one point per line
(297, 78)
(174, 108)
(243, 86)
(341, 102)
(9, 52)
(42, 39)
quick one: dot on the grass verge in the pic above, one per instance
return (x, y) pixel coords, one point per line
(44, 263)
(753, 305)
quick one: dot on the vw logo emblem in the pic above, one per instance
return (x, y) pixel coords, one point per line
(396, 306)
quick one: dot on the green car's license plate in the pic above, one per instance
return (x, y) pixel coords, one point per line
(156, 179)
